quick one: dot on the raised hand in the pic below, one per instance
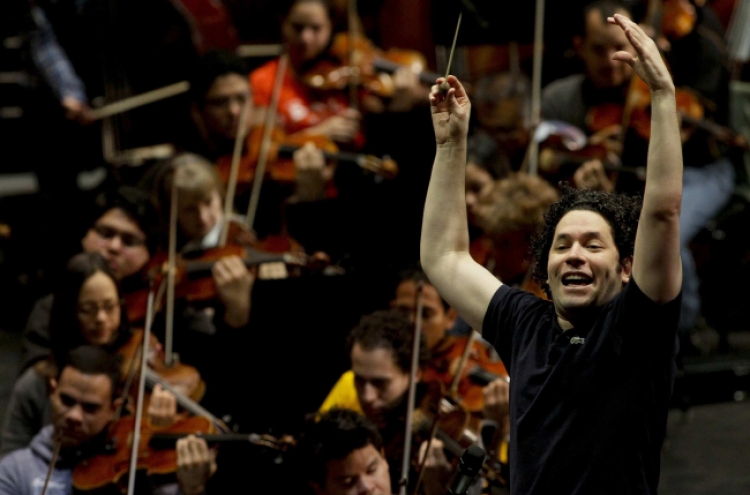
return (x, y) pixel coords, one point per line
(648, 64)
(450, 111)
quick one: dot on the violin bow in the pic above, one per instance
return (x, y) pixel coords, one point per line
(139, 401)
(404, 481)
(444, 86)
(531, 160)
(150, 312)
(265, 145)
(171, 263)
(232, 182)
(462, 364)
(52, 462)
(351, 13)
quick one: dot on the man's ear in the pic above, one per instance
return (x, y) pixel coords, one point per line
(51, 385)
(626, 269)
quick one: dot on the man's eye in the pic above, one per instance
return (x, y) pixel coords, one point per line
(67, 400)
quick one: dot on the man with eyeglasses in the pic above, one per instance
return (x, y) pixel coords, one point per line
(120, 233)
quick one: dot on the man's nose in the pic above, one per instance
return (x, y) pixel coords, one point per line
(75, 414)
(369, 394)
(575, 255)
(115, 243)
(365, 485)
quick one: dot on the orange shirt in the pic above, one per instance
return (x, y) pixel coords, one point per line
(298, 107)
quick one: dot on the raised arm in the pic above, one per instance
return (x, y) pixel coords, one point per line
(444, 251)
(656, 261)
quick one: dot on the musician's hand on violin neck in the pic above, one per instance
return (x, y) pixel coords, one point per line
(162, 408)
(648, 64)
(450, 112)
(312, 173)
(342, 128)
(196, 463)
(496, 400)
(234, 282)
(437, 468)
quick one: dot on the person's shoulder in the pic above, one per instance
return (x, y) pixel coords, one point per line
(31, 378)
(266, 72)
(564, 85)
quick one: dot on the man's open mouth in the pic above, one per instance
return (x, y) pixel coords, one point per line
(576, 280)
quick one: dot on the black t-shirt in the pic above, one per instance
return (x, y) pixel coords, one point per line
(588, 407)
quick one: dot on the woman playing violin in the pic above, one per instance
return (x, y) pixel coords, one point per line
(87, 309)
(307, 31)
(308, 34)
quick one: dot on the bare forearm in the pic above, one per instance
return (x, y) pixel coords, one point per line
(444, 226)
(663, 191)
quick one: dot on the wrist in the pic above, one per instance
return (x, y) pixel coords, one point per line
(192, 490)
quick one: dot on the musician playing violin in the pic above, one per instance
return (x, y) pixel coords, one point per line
(200, 219)
(307, 33)
(377, 384)
(83, 397)
(87, 309)
(696, 62)
(220, 92)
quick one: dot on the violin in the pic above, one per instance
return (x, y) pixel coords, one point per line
(280, 166)
(452, 424)
(565, 147)
(446, 360)
(183, 378)
(156, 452)
(194, 282)
(370, 66)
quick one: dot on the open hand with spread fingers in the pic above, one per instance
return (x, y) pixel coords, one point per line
(450, 111)
(648, 64)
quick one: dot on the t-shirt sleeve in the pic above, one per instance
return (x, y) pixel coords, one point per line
(510, 311)
(647, 324)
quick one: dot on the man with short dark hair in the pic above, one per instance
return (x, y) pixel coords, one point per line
(592, 370)
(84, 401)
(341, 452)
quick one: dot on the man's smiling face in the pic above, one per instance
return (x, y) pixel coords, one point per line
(584, 268)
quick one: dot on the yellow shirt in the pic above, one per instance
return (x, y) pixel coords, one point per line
(343, 395)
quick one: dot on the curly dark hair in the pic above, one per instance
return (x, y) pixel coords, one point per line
(331, 436)
(619, 210)
(388, 330)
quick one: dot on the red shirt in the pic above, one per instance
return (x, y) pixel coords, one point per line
(298, 108)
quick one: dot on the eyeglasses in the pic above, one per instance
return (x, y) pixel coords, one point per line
(128, 239)
(92, 309)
